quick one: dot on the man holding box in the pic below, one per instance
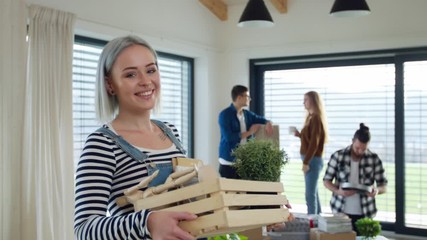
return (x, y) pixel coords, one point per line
(237, 124)
(356, 166)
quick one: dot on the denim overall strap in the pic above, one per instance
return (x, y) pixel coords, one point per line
(170, 134)
(124, 145)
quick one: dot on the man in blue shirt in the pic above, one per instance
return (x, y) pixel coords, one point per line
(237, 125)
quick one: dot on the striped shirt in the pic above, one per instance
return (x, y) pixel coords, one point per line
(103, 173)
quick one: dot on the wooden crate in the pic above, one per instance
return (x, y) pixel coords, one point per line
(223, 205)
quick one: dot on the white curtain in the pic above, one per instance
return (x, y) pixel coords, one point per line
(12, 92)
(47, 173)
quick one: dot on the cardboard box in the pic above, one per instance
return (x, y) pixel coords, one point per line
(289, 235)
(316, 234)
(255, 233)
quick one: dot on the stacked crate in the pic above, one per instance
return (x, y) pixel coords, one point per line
(223, 205)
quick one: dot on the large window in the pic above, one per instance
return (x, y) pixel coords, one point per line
(415, 75)
(347, 105)
(176, 79)
(382, 89)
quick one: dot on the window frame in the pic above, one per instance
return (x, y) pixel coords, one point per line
(257, 68)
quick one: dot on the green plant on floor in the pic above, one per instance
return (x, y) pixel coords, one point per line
(259, 160)
(368, 228)
(231, 236)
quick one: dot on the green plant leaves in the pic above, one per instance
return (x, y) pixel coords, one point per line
(231, 236)
(259, 160)
(367, 227)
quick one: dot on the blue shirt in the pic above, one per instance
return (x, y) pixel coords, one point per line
(230, 129)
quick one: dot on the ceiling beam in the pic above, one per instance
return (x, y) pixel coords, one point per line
(281, 5)
(217, 7)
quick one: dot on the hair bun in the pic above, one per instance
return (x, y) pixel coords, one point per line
(363, 127)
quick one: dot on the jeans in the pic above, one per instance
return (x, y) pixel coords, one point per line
(165, 169)
(311, 189)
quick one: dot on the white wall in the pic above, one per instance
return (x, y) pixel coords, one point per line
(222, 50)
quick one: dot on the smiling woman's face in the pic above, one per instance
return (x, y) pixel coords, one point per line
(135, 79)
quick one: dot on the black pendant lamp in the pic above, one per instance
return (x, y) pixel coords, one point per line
(256, 15)
(350, 8)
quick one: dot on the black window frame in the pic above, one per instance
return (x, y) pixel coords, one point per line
(257, 68)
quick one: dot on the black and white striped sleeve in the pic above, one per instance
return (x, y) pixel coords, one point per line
(93, 193)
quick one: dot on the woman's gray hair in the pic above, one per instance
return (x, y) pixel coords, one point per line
(106, 105)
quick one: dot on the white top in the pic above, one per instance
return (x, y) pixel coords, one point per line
(242, 122)
(352, 203)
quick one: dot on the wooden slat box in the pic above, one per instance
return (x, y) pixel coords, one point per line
(223, 205)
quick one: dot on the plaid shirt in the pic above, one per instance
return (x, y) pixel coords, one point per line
(370, 171)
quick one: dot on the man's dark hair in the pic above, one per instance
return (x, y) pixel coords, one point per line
(362, 134)
(237, 91)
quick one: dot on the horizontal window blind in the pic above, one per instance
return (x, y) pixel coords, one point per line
(415, 102)
(85, 61)
(351, 94)
(175, 78)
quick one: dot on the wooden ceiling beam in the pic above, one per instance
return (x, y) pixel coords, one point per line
(217, 7)
(281, 5)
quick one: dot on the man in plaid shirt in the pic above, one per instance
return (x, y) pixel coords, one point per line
(355, 164)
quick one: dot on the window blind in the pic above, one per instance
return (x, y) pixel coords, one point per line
(415, 102)
(352, 95)
(85, 61)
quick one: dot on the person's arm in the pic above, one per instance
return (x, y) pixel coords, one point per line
(337, 190)
(94, 177)
(315, 135)
(252, 130)
(377, 191)
(255, 122)
(380, 178)
(331, 174)
(255, 118)
(94, 182)
(330, 186)
(164, 225)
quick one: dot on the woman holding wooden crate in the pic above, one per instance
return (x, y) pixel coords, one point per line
(128, 148)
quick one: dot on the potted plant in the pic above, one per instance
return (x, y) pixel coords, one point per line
(259, 160)
(368, 228)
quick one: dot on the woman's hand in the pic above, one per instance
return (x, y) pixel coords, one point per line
(305, 168)
(163, 225)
